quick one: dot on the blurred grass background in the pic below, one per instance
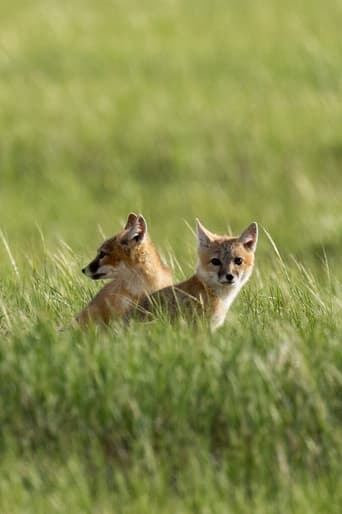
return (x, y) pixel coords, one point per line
(226, 110)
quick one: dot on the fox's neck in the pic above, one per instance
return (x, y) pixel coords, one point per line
(147, 258)
(222, 297)
(147, 271)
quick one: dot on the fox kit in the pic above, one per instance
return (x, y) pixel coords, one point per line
(131, 261)
(224, 266)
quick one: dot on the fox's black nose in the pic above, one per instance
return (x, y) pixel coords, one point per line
(230, 277)
(83, 270)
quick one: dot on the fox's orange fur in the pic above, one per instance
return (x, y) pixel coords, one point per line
(224, 266)
(131, 261)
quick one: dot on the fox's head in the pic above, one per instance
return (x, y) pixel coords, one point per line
(225, 261)
(118, 250)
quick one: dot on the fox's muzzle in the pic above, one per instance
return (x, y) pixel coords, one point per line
(92, 275)
(92, 268)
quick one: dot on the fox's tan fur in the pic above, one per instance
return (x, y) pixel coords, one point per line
(135, 268)
(211, 291)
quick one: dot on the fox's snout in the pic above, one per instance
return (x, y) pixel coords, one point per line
(92, 270)
(88, 272)
(99, 268)
(227, 278)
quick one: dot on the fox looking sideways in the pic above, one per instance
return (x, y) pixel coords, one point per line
(224, 266)
(131, 261)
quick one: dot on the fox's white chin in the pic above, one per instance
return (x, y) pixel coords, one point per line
(226, 284)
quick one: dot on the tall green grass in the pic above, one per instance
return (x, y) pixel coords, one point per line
(229, 111)
(167, 417)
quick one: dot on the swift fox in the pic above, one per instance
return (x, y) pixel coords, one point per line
(224, 266)
(131, 261)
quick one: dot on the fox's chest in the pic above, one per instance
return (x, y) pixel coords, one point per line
(122, 292)
(220, 307)
(133, 281)
(218, 314)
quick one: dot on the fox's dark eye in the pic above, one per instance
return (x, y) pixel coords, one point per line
(101, 255)
(238, 261)
(215, 261)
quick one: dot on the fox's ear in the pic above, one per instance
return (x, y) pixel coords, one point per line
(204, 237)
(131, 220)
(137, 230)
(249, 237)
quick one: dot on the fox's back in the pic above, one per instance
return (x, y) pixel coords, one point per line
(189, 298)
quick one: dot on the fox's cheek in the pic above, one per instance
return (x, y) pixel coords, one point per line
(110, 260)
(110, 265)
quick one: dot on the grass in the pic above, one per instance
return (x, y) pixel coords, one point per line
(228, 112)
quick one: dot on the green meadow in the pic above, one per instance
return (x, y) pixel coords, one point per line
(229, 111)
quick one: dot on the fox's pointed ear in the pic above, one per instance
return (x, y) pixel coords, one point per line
(137, 230)
(131, 220)
(249, 237)
(204, 237)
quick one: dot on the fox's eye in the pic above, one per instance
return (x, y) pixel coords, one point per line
(215, 261)
(101, 255)
(238, 261)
